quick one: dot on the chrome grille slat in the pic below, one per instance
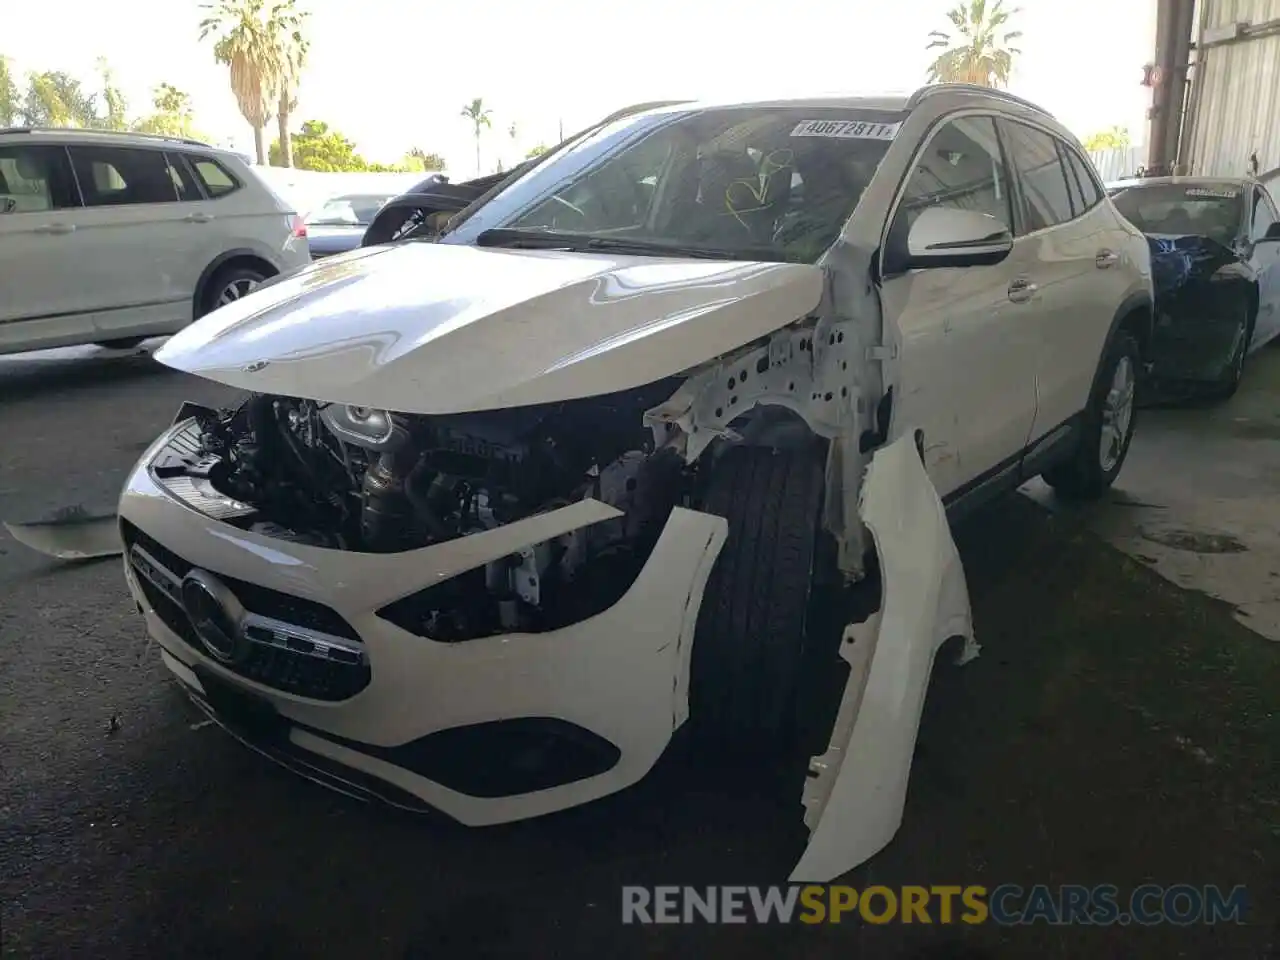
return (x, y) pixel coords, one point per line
(274, 638)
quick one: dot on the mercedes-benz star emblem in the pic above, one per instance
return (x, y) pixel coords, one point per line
(215, 613)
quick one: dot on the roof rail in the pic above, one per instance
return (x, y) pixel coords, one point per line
(934, 89)
(640, 108)
(97, 131)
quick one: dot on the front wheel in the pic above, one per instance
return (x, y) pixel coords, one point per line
(1233, 370)
(1107, 429)
(751, 625)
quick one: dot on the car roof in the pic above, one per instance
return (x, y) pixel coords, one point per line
(889, 102)
(117, 138)
(895, 102)
(1181, 182)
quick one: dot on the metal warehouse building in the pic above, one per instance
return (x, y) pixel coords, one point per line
(1231, 122)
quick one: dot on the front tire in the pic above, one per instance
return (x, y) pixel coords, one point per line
(1108, 426)
(751, 624)
(1233, 371)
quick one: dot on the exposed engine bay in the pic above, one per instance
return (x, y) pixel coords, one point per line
(351, 478)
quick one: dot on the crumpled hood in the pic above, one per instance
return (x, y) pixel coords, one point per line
(445, 328)
(1177, 259)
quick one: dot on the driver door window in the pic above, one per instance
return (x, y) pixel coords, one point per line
(1264, 215)
(963, 168)
(1265, 258)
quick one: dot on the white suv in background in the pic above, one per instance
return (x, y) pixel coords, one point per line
(110, 238)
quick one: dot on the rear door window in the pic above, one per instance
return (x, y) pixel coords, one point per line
(217, 181)
(115, 176)
(34, 179)
(1046, 198)
(184, 181)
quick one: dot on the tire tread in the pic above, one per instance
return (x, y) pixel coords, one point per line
(751, 624)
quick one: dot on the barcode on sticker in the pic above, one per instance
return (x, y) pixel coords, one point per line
(846, 129)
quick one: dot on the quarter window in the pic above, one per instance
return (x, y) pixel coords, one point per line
(1046, 200)
(1089, 188)
(217, 181)
(34, 179)
(961, 168)
(112, 176)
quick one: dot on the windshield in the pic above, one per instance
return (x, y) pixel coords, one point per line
(757, 183)
(1212, 211)
(356, 210)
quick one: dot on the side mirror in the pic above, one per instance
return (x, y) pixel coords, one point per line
(1273, 232)
(945, 237)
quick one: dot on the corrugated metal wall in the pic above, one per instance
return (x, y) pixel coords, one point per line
(1118, 164)
(1236, 110)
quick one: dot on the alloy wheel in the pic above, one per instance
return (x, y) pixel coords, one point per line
(236, 289)
(1117, 414)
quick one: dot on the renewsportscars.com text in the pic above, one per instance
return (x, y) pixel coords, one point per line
(1006, 905)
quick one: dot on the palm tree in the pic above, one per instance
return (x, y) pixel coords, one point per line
(10, 109)
(292, 47)
(117, 108)
(479, 115)
(979, 52)
(246, 42)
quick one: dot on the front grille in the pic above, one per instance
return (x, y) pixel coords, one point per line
(269, 603)
(294, 645)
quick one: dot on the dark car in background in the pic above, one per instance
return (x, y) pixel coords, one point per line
(1215, 258)
(424, 210)
(340, 222)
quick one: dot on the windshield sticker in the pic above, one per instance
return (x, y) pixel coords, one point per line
(1218, 194)
(847, 129)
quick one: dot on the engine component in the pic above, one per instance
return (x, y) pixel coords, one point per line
(347, 477)
(371, 429)
(386, 515)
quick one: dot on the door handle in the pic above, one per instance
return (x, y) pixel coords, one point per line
(1105, 259)
(1020, 291)
(58, 228)
(197, 218)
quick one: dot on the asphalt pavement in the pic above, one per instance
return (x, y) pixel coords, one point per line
(1115, 729)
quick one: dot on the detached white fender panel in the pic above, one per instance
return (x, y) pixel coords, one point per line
(853, 804)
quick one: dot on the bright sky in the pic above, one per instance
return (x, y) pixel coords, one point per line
(392, 74)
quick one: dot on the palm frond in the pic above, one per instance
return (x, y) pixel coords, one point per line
(979, 51)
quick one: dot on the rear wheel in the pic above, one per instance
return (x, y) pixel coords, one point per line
(751, 625)
(1108, 426)
(229, 285)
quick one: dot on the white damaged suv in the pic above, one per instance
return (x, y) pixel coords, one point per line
(507, 506)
